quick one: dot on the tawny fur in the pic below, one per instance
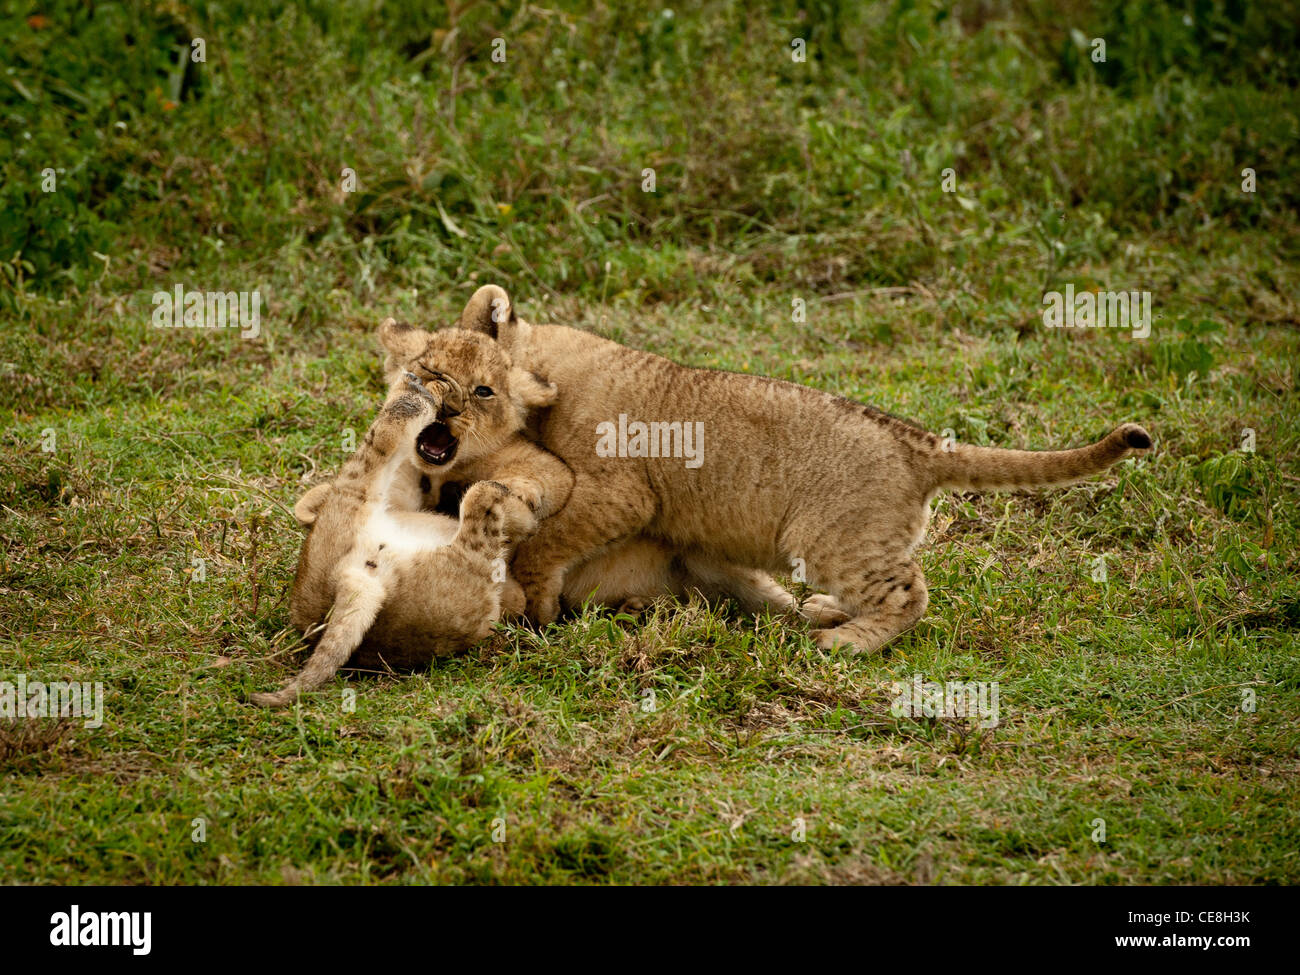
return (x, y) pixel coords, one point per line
(789, 473)
(634, 570)
(394, 585)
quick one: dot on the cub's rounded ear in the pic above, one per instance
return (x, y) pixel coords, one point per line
(402, 340)
(309, 504)
(403, 343)
(532, 389)
(487, 310)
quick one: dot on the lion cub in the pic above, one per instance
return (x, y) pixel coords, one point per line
(398, 585)
(402, 586)
(776, 475)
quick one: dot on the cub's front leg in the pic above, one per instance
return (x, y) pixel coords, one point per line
(539, 483)
(599, 511)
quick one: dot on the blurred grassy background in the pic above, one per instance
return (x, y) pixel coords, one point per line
(775, 180)
(820, 176)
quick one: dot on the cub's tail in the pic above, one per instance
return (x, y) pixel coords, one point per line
(968, 468)
(360, 597)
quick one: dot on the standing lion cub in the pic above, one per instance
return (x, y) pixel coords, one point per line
(773, 472)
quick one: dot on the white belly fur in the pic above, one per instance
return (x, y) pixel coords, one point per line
(408, 532)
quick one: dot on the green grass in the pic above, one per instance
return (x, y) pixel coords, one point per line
(1120, 701)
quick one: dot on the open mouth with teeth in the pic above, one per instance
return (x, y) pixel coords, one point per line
(436, 444)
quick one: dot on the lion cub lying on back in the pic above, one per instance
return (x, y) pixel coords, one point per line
(787, 472)
(406, 586)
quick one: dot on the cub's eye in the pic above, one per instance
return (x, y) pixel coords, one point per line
(483, 392)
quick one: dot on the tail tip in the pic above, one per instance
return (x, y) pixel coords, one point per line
(1135, 438)
(275, 700)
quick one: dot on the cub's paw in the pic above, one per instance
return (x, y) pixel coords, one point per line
(823, 639)
(823, 609)
(835, 639)
(482, 497)
(513, 603)
(634, 606)
(518, 520)
(543, 600)
(543, 609)
(852, 637)
(482, 509)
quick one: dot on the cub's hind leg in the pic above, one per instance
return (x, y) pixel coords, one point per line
(360, 598)
(882, 601)
(756, 591)
(753, 589)
(624, 575)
